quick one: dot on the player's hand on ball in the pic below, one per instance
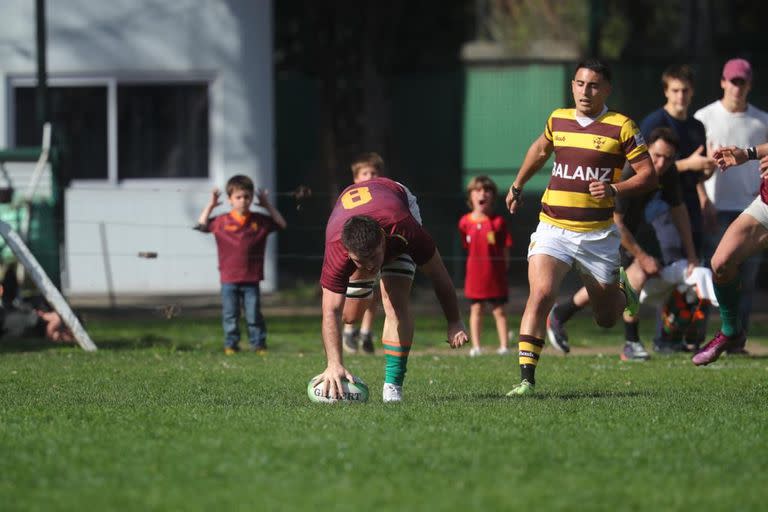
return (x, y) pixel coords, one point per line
(332, 377)
(457, 334)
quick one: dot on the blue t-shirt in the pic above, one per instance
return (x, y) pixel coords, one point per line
(692, 135)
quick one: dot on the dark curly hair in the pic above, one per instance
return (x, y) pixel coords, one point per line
(361, 235)
(597, 66)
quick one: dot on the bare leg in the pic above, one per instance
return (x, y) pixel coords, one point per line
(397, 335)
(607, 300)
(637, 278)
(368, 317)
(354, 309)
(581, 297)
(545, 275)
(744, 237)
(500, 317)
(475, 323)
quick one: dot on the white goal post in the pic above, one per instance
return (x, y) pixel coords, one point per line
(46, 286)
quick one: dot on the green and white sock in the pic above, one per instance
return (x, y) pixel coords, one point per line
(728, 295)
(396, 358)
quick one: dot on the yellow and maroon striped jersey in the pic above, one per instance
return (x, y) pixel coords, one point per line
(596, 152)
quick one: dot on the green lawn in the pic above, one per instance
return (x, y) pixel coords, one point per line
(160, 419)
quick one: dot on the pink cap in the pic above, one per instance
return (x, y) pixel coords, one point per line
(737, 68)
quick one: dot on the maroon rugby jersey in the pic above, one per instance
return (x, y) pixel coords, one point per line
(240, 243)
(386, 202)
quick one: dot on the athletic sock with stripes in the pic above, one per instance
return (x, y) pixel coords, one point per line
(396, 359)
(529, 349)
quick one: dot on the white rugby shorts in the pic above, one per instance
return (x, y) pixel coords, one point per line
(657, 288)
(595, 253)
(758, 210)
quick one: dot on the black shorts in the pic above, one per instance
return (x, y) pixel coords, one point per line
(493, 301)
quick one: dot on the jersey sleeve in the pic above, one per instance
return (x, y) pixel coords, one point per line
(632, 142)
(463, 232)
(421, 247)
(337, 267)
(213, 224)
(701, 116)
(548, 128)
(413, 205)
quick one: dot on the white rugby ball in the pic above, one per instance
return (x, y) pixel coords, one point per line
(353, 392)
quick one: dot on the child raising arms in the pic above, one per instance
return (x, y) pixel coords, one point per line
(241, 237)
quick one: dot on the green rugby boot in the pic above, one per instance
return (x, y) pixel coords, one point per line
(525, 388)
(633, 301)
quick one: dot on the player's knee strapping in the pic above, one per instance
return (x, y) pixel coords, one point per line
(401, 266)
(396, 357)
(529, 349)
(361, 288)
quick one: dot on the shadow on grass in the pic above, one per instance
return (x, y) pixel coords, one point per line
(580, 395)
(149, 341)
(751, 356)
(29, 345)
(571, 395)
(141, 343)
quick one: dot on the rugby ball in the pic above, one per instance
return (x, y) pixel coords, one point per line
(353, 392)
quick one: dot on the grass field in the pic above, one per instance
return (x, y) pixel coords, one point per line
(160, 419)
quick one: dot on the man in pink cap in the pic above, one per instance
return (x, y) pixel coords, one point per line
(732, 121)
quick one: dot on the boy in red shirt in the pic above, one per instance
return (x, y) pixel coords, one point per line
(241, 236)
(487, 241)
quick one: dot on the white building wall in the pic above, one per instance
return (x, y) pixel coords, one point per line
(107, 225)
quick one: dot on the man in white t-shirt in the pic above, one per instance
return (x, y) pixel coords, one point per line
(732, 121)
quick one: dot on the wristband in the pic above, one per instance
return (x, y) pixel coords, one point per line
(751, 153)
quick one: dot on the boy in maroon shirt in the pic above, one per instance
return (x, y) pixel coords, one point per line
(487, 242)
(373, 227)
(241, 236)
(364, 167)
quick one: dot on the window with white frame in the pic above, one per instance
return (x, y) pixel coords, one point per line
(115, 131)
